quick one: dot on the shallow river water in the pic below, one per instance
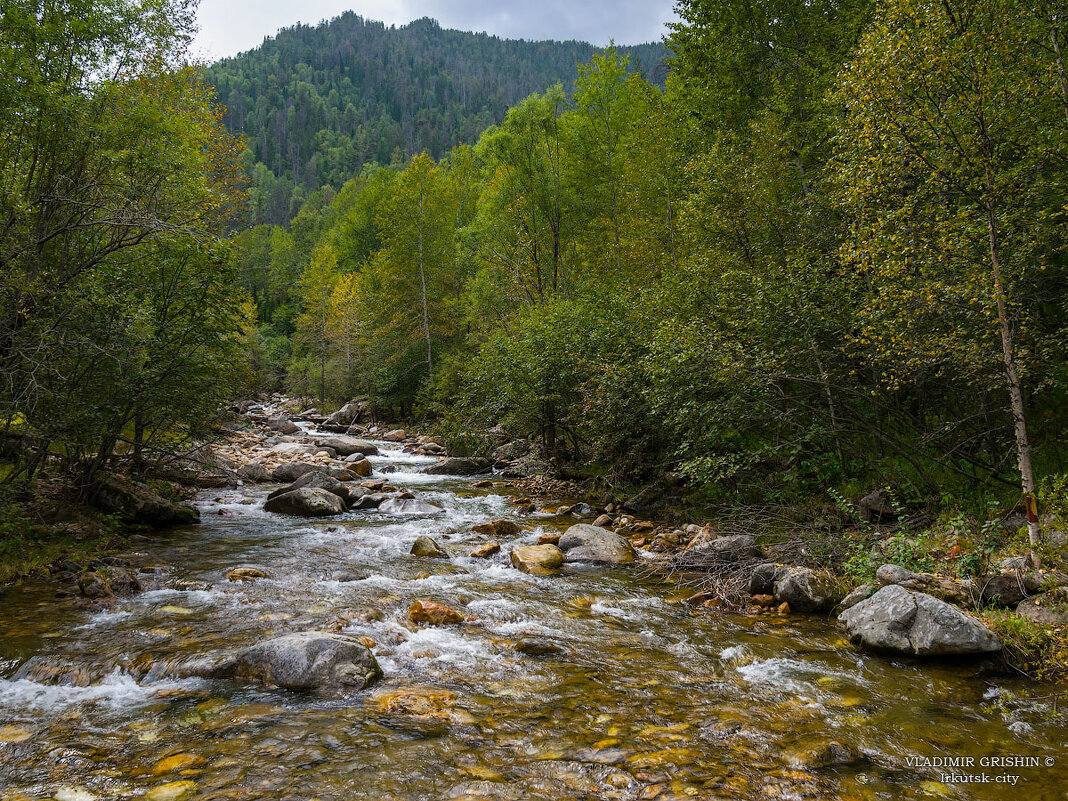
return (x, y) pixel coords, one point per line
(650, 699)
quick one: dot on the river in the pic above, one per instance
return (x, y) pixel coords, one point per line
(650, 699)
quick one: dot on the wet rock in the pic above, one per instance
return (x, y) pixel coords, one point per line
(537, 560)
(172, 791)
(371, 501)
(832, 754)
(331, 665)
(315, 479)
(581, 510)
(861, 593)
(898, 620)
(1007, 589)
(71, 794)
(282, 425)
(253, 472)
(177, 762)
(498, 528)
(108, 581)
(347, 446)
(763, 578)
(807, 590)
(1049, 609)
(425, 711)
(486, 551)
(396, 435)
(459, 466)
(586, 543)
(603, 521)
(425, 546)
(291, 471)
(537, 646)
(432, 613)
(512, 450)
(549, 539)
(306, 502)
(138, 504)
(246, 573)
(361, 467)
(407, 507)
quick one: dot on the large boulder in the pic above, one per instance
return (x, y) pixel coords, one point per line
(317, 479)
(254, 472)
(291, 471)
(346, 446)
(330, 665)
(431, 613)
(282, 425)
(960, 592)
(497, 528)
(537, 560)
(1049, 609)
(762, 579)
(347, 415)
(459, 466)
(396, 435)
(306, 502)
(137, 503)
(586, 543)
(900, 621)
(1008, 589)
(408, 507)
(807, 590)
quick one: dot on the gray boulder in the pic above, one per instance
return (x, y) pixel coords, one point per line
(254, 472)
(282, 426)
(291, 471)
(807, 590)
(861, 593)
(137, 503)
(877, 507)
(348, 414)
(763, 578)
(1049, 609)
(407, 507)
(370, 501)
(306, 502)
(459, 466)
(346, 446)
(1008, 589)
(315, 479)
(586, 543)
(330, 665)
(901, 621)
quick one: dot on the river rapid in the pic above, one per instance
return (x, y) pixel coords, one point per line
(650, 699)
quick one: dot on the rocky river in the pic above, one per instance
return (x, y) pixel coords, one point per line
(617, 689)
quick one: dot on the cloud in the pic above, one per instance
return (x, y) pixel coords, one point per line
(231, 26)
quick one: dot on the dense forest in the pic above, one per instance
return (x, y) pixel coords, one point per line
(828, 256)
(317, 103)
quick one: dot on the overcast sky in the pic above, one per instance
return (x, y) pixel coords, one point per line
(228, 27)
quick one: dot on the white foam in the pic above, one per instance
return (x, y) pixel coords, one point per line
(104, 619)
(117, 690)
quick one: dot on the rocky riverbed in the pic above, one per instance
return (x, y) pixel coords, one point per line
(463, 644)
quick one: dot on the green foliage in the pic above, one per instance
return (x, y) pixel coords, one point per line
(318, 103)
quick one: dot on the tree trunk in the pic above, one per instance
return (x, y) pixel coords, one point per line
(1019, 416)
(422, 289)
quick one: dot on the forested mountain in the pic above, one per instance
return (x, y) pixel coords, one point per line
(317, 103)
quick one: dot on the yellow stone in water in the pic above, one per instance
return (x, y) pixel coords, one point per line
(177, 762)
(669, 756)
(74, 794)
(159, 632)
(935, 788)
(608, 742)
(176, 610)
(172, 791)
(483, 773)
(52, 635)
(614, 731)
(148, 736)
(13, 734)
(603, 718)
